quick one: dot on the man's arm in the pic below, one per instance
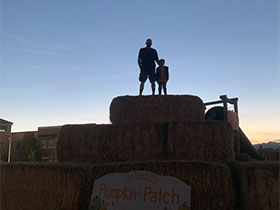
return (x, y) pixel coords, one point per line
(157, 73)
(139, 60)
(156, 58)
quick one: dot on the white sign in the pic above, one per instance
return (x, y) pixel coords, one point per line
(141, 190)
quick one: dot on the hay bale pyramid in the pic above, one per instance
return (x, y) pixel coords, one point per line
(166, 135)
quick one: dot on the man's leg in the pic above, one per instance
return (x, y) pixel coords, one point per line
(141, 88)
(153, 88)
(152, 79)
(164, 88)
(142, 79)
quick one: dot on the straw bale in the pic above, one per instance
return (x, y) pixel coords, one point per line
(39, 186)
(211, 184)
(111, 143)
(204, 140)
(151, 109)
(68, 186)
(271, 154)
(257, 185)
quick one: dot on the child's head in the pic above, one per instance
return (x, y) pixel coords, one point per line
(161, 62)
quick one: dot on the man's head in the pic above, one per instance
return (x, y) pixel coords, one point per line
(161, 62)
(149, 43)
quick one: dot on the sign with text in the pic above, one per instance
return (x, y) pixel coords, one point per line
(141, 190)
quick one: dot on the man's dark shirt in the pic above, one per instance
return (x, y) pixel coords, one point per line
(148, 57)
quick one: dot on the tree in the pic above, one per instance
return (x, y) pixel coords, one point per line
(28, 147)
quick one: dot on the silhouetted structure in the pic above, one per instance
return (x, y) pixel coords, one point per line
(245, 146)
(5, 139)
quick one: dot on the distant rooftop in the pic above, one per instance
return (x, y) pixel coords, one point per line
(5, 121)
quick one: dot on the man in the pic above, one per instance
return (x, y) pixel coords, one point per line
(146, 61)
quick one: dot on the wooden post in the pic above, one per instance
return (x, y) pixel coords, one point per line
(10, 148)
(261, 150)
(224, 99)
(235, 105)
(238, 136)
(0, 151)
(233, 101)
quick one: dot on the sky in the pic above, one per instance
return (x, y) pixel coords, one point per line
(62, 62)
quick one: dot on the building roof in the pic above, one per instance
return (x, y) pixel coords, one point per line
(5, 121)
(22, 132)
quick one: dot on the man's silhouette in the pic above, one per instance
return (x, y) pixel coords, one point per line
(146, 61)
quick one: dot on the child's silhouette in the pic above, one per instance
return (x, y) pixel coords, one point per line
(162, 76)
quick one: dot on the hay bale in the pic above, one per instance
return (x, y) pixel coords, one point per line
(211, 184)
(40, 186)
(256, 185)
(153, 109)
(26, 186)
(67, 186)
(205, 140)
(271, 154)
(208, 141)
(110, 143)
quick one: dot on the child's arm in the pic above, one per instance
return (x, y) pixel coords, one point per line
(157, 73)
(167, 74)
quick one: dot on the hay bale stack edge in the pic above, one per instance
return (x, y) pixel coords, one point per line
(211, 183)
(41, 186)
(257, 185)
(204, 140)
(108, 143)
(154, 109)
(67, 186)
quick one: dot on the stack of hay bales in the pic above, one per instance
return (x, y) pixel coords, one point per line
(155, 109)
(196, 140)
(257, 185)
(41, 186)
(166, 135)
(210, 182)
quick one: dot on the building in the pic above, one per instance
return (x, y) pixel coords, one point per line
(5, 136)
(47, 141)
(18, 139)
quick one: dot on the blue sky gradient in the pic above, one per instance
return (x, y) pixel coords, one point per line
(64, 61)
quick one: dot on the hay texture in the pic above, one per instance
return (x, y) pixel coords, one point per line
(69, 187)
(271, 154)
(257, 185)
(153, 109)
(204, 140)
(110, 143)
(42, 186)
(211, 184)
(207, 141)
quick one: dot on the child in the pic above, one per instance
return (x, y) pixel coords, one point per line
(162, 76)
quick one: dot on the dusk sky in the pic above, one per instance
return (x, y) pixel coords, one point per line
(63, 61)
